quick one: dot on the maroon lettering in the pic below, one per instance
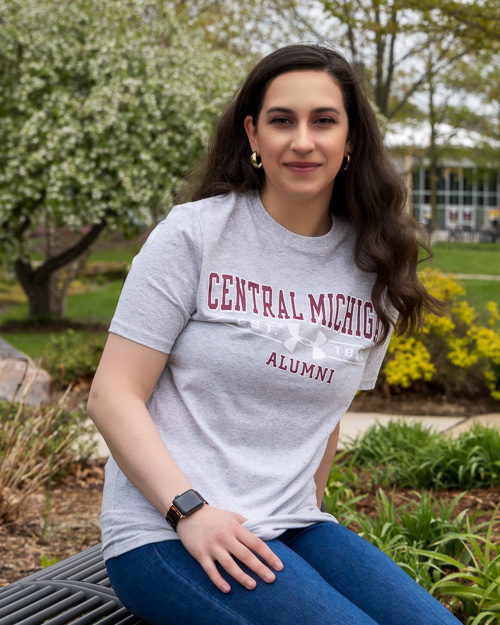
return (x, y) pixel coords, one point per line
(212, 302)
(307, 369)
(241, 296)
(267, 301)
(272, 360)
(368, 320)
(280, 366)
(347, 329)
(317, 308)
(320, 375)
(282, 311)
(358, 318)
(227, 303)
(330, 302)
(337, 323)
(294, 312)
(254, 288)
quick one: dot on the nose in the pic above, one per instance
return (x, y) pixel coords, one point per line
(302, 140)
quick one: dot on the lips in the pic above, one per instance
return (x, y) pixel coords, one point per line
(302, 166)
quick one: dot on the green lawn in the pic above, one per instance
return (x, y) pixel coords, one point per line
(473, 258)
(35, 344)
(94, 307)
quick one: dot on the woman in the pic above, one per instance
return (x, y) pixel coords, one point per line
(247, 323)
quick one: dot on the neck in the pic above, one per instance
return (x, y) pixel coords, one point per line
(309, 219)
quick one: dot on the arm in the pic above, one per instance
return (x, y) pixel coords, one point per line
(123, 383)
(321, 476)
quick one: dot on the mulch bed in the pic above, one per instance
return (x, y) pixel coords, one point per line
(73, 523)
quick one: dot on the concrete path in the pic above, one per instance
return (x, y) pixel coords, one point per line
(355, 423)
(475, 276)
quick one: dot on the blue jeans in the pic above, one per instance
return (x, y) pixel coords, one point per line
(331, 576)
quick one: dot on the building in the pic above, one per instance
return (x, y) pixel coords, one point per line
(468, 195)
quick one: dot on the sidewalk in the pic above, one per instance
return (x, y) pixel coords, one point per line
(355, 423)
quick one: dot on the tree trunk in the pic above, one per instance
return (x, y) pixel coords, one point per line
(46, 299)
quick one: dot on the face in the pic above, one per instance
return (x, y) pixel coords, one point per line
(301, 136)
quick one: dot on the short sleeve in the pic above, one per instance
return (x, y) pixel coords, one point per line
(160, 292)
(373, 364)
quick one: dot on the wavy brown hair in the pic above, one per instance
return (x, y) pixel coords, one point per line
(370, 193)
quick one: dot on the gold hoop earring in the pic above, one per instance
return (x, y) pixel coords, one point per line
(255, 161)
(347, 158)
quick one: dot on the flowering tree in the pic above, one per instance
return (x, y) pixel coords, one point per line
(104, 108)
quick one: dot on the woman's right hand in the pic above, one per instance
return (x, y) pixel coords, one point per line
(213, 535)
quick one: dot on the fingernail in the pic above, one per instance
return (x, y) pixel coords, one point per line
(279, 565)
(269, 577)
(250, 584)
(226, 588)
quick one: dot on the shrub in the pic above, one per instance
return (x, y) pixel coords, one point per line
(35, 442)
(474, 585)
(453, 352)
(106, 271)
(451, 553)
(69, 358)
(410, 455)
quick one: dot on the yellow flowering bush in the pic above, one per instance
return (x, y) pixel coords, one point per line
(410, 362)
(453, 353)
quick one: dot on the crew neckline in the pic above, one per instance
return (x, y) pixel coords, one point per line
(297, 240)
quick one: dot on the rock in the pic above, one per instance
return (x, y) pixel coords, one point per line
(21, 378)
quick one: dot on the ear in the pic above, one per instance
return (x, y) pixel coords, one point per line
(348, 145)
(251, 131)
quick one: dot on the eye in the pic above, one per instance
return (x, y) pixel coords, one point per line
(280, 121)
(325, 121)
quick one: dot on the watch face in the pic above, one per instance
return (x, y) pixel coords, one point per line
(188, 502)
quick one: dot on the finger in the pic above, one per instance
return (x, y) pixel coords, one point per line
(240, 518)
(247, 557)
(212, 572)
(228, 563)
(258, 546)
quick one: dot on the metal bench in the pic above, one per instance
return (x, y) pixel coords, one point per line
(76, 590)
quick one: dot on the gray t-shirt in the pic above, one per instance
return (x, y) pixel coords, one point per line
(270, 335)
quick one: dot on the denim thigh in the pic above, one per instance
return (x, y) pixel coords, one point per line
(163, 584)
(330, 576)
(366, 576)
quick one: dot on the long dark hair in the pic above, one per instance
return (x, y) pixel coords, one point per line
(370, 193)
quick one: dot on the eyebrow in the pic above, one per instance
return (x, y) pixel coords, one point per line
(319, 109)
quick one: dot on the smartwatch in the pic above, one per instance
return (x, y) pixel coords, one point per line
(183, 506)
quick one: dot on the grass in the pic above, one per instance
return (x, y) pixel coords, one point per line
(475, 259)
(93, 307)
(482, 259)
(479, 292)
(96, 305)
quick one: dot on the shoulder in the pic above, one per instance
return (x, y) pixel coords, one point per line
(197, 221)
(212, 214)
(221, 204)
